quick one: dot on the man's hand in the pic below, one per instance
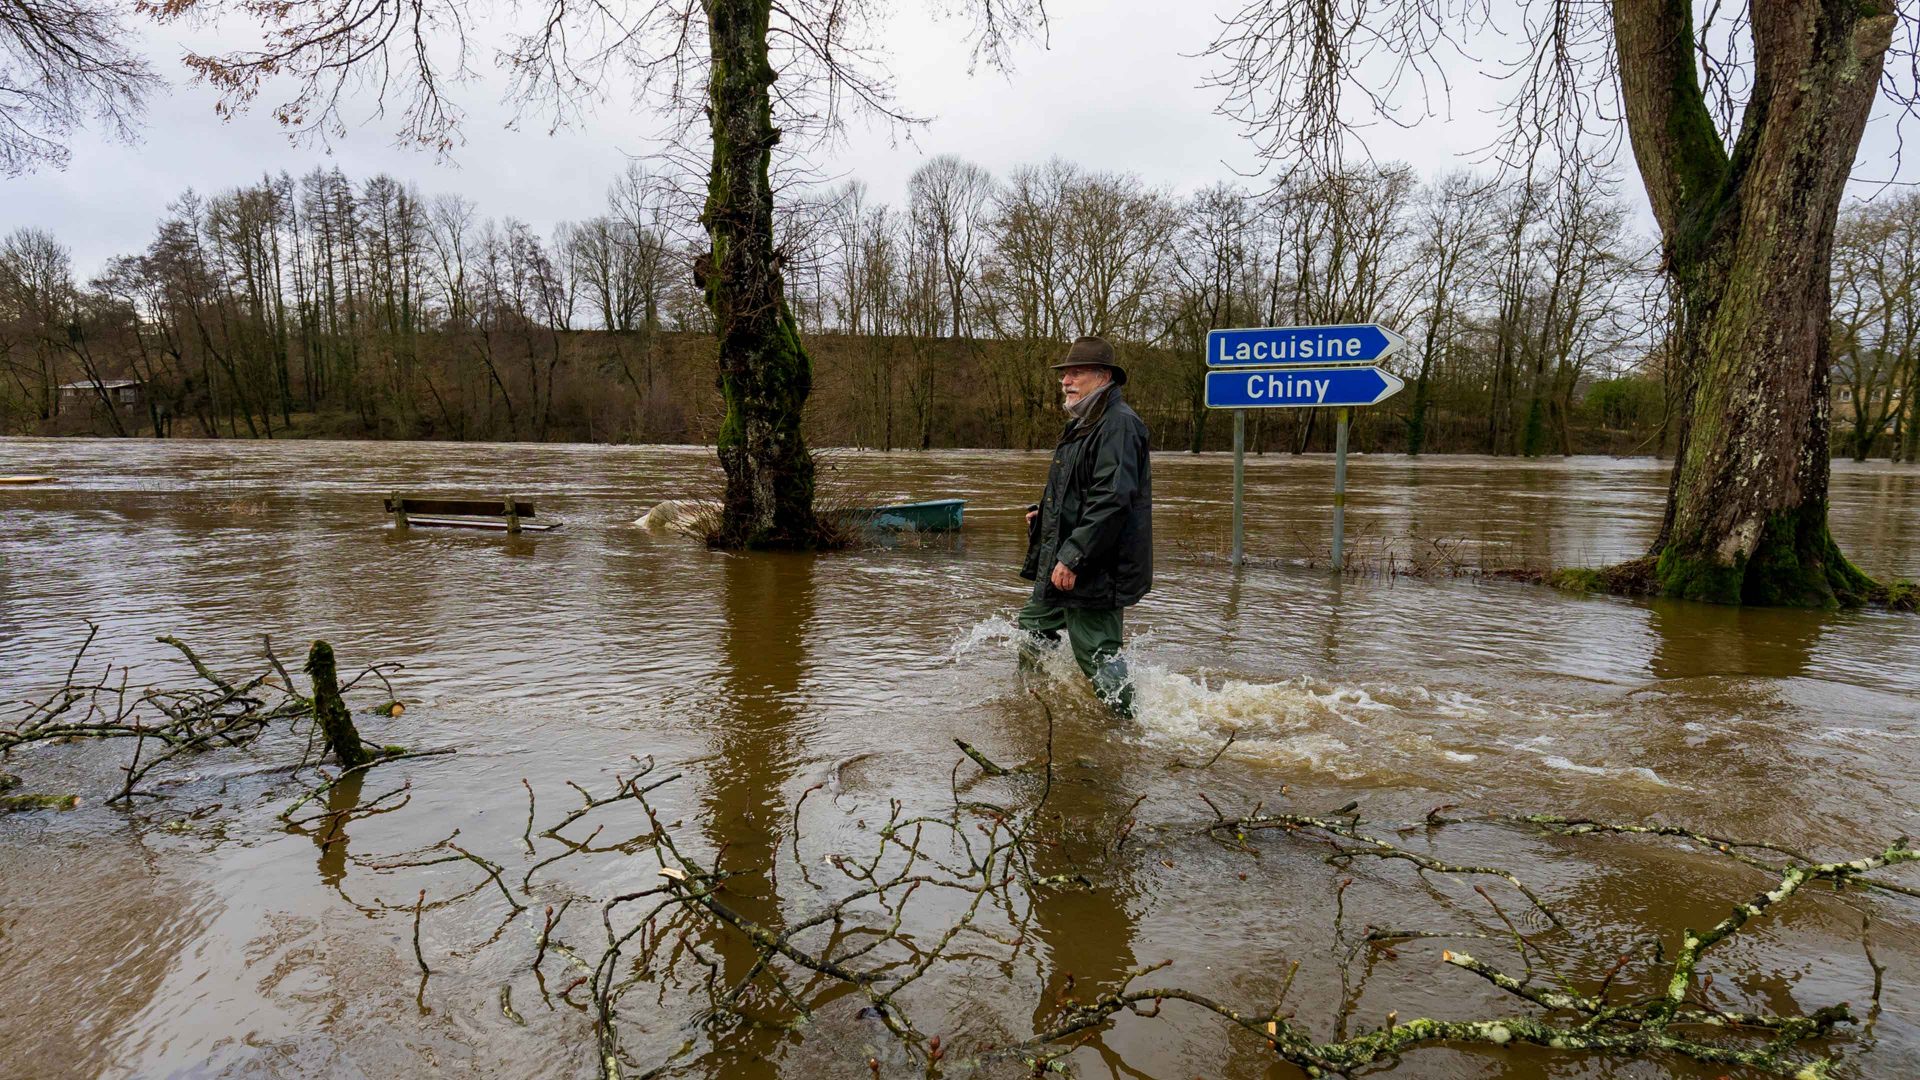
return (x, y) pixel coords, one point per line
(1031, 514)
(1063, 578)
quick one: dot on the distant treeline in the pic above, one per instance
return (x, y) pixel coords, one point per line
(318, 306)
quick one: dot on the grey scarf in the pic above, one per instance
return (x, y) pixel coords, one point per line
(1084, 408)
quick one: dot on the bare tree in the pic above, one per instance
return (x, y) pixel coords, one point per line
(122, 295)
(1586, 262)
(1114, 246)
(1876, 319)
(37, 298)
(947, 209)
(924, 315)
(1025, 280)
(1745, 125)
(868, 276)
(1451, 238)
(948, 199)
(752, 73)
(1212, 267)
(64, 64)
(1337, 239)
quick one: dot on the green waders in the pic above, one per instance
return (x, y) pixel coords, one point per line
(1094, 634)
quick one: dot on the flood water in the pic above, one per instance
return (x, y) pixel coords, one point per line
(200, 937)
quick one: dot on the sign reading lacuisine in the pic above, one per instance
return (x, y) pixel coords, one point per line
(1276, 346)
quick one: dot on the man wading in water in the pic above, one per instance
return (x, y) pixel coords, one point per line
(1090, 537)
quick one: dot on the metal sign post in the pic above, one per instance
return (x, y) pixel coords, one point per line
(1239, 484)
(1269, 368)
(1340, 489)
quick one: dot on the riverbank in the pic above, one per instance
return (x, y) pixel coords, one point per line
(874, 392)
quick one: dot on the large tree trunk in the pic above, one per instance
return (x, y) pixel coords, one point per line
(765, 374)
(1748, 239)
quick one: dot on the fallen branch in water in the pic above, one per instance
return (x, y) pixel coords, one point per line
(971, 862)
(955, 886)
(419, 956)
(1731, 848)
(168, 725)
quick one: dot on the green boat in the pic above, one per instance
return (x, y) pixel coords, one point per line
(937, 515)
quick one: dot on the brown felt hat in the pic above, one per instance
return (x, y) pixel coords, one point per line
(1095, 352)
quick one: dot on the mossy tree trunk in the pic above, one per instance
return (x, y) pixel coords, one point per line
(1748, 235)
(330, 710)
(765, 373)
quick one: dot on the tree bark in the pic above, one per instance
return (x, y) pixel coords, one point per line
(1748, 237)
(765, 373)
(330, 711)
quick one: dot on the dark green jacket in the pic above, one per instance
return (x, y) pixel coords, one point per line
(1097, 513)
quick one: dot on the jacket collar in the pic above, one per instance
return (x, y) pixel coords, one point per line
(1103, 399)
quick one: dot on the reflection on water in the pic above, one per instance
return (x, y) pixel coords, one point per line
(1693, 641)
(560, 656)
(1088, 932)
(756, 731)
(330, 834)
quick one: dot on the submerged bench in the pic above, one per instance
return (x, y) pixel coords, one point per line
(464, 513)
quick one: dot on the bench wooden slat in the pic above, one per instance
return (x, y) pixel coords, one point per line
(476, 523)
(467, 507)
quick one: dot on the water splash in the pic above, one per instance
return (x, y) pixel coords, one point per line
(996, 633)
(1373, 732)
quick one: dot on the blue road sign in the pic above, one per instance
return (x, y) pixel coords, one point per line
(1300, 388)
(1275, 346)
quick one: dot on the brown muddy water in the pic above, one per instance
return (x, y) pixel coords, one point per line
(199, 937)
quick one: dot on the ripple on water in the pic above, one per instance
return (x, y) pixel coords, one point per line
(557, 657)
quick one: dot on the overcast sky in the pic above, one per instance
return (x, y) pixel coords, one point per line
(1117, 87)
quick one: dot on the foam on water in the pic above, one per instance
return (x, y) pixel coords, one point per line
(1638, 772)
(1377, 731)
(1169, 703)
(1862, 736)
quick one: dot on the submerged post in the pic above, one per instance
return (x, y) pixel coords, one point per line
(1239, 484)
(1340, 489)
(330, 712)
